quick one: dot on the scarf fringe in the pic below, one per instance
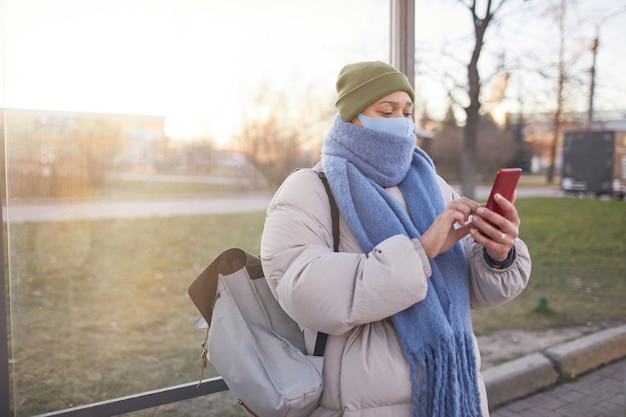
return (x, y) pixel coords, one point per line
(439, 372)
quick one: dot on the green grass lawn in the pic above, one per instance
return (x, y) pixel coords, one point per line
(100, 310)
(578, 248)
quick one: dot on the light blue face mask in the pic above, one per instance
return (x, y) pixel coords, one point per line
(399, 126)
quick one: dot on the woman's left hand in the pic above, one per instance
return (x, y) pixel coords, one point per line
(495, 232)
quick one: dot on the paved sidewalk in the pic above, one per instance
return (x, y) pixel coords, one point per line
(599, 393)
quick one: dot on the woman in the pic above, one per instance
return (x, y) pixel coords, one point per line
(413, 259)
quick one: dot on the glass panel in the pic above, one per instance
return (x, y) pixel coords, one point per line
(142, 139)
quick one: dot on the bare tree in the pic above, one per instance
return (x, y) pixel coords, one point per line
(284, 132)
(559, 94)
(566, 72)
(594, 49)
(464, 91)
(481, 21)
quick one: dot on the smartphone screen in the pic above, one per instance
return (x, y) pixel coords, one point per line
(504, 184)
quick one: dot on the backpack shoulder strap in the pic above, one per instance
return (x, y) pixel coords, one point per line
(320, 342)
(334, 211)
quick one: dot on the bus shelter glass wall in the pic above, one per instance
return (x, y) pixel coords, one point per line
(142, 139)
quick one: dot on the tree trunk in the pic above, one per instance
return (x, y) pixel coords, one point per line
(468, 158)
(559, 106)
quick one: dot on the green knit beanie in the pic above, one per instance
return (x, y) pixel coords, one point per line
(362, 83)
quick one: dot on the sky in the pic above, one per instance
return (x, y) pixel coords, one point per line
(527, 34)
(199, 63)
(193, 61)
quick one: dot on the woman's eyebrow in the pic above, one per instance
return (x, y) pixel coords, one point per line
(396, 103)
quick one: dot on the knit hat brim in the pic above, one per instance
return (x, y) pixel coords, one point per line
(359, 85)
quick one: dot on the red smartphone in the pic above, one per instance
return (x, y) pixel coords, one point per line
(504, 184)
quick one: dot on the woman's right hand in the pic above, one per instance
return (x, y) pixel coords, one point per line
(449, 227)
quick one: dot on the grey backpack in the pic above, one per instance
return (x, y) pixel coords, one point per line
(255, 346)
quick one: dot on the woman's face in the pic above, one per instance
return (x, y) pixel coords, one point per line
(397, 104)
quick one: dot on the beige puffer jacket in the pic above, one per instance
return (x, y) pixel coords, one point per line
(351, 295)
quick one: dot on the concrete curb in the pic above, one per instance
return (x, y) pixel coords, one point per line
(526, 375)
(579, 356)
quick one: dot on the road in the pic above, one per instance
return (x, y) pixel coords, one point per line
(183, 206)
(102, 209)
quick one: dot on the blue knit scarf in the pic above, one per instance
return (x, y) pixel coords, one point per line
(436, 333)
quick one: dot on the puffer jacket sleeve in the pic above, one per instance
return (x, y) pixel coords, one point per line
(332, 291)
(490, 287)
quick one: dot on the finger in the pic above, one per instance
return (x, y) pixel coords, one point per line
(488, 229)
(460, 218)
(510, 214)
(493, 225)
(471, 205)
(506, 205)
(496, 250)
(481, 238)
(484, 215)
(468, 208)
(456, 212)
